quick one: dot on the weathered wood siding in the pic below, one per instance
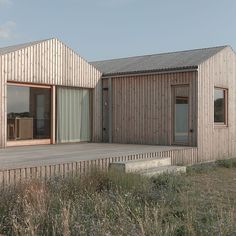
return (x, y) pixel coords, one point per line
(105, 112)
(216, 142)
(49, 62)
(142, 108)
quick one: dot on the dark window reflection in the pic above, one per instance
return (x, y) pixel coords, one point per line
(28, 113)
(219, 105)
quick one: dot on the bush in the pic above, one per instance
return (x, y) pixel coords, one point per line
(228, 163)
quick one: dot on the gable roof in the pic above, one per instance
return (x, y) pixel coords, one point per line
(78, 72)
(157, 62)
(14, 48)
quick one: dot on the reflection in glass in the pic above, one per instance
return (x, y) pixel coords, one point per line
(219, 105)
(181, 119)
(28, 113)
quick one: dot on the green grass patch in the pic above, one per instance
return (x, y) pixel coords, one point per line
(201, 168)
(228, 163)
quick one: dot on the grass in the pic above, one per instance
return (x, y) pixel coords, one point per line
(201, 202)
(229, 163)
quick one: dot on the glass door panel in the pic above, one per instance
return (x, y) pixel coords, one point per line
(181, 120)
(73, 115)
(28, 113)
(40, 111)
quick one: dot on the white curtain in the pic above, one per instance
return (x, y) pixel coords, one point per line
(73, 115)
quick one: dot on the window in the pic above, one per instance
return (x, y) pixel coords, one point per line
(28, 113)
(220, 106)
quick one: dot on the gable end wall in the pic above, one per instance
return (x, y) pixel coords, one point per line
(216, 142)
(50, 63)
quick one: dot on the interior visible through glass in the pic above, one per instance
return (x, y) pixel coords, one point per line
(28, 113)
(219, 105)
(181, 119)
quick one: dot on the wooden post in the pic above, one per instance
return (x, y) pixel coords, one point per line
(53, 115)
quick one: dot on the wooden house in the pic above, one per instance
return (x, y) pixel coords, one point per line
(48, 94)
(182, 98)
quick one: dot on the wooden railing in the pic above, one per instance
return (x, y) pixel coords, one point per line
(13, 176)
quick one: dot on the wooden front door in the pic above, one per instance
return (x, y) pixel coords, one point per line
(180, 117)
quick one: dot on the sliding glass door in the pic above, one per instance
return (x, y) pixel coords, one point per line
(28, 112)
(73, 115)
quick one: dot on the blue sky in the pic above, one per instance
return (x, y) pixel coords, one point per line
(104, 29)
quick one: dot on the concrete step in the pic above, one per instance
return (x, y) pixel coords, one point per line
(139, 165)
(162, 169)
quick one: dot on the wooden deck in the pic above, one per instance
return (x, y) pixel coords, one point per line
(45, 161)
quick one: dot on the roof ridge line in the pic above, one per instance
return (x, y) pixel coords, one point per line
(30, 42)
(154, 54)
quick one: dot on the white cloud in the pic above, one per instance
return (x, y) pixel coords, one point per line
(7, 30)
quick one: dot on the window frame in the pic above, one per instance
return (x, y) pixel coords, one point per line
(174, 94)
(51, 140)
(225, 123)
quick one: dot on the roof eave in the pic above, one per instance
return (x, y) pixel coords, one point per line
(159, 71)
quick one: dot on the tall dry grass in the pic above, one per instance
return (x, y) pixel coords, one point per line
(117, 204)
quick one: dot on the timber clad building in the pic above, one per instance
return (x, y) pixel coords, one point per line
(49, 94)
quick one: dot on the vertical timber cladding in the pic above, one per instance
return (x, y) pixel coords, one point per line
(49, 62)
(142, 107)
(215, 142)
(105, 111)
